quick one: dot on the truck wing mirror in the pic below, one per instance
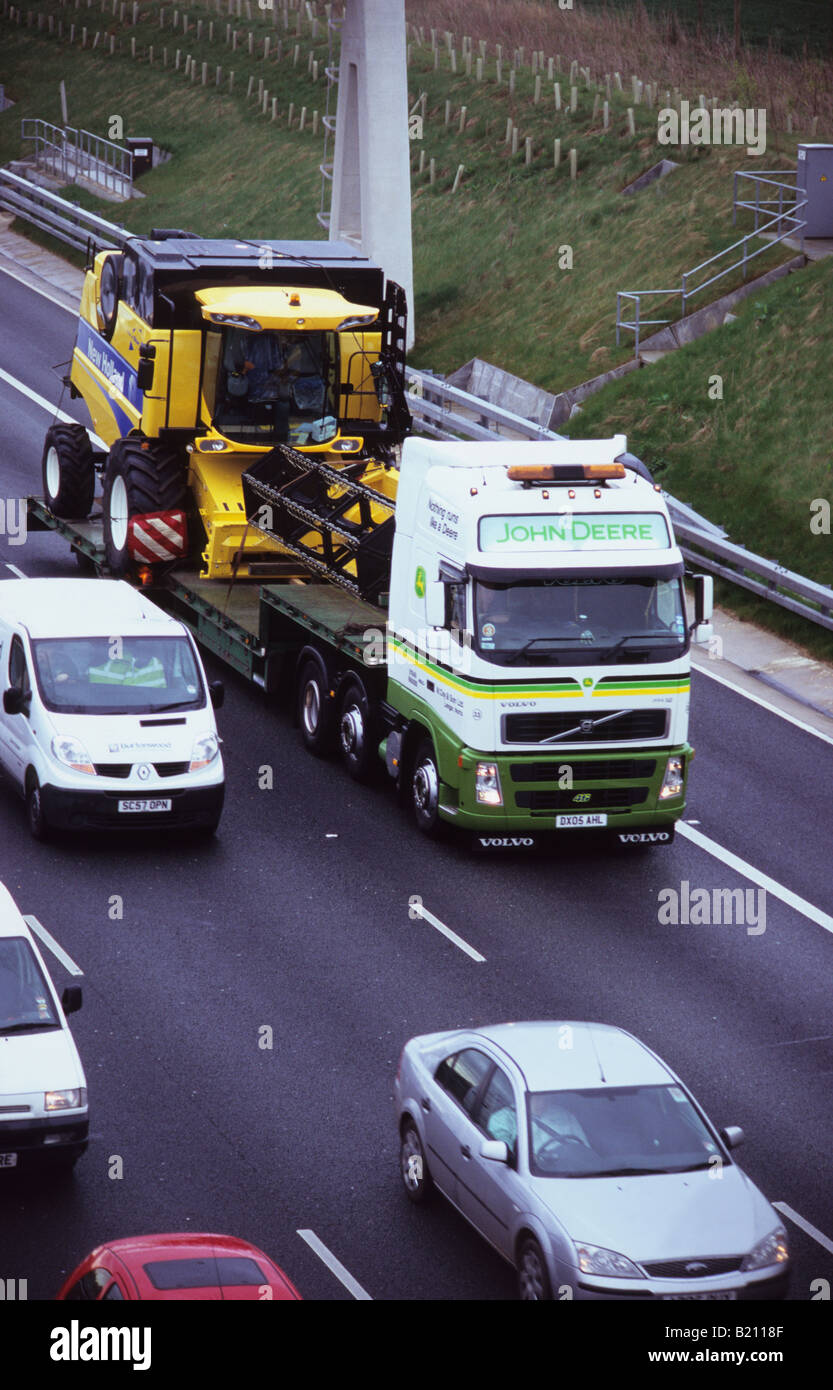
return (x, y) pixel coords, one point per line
(703, 585)
(144, 373)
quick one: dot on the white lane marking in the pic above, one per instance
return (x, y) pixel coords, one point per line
(51, 944)
(805, 1225)
(7, 270)
(47, 406)
(759, 700)
(446, 931)
(740, 866)
(14, 569)
(335, 1266)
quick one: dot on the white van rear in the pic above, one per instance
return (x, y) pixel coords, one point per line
(106, 718)
(43, 1091)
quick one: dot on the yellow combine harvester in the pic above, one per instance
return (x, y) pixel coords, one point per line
(196, 359)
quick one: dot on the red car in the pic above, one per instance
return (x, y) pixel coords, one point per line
(178, 1266)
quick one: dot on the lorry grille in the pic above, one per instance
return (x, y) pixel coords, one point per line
(631, 724)
(605, 770)
(676, 1269)
(558, 799)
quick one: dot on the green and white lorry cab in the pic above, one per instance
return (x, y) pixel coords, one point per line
(538, 647)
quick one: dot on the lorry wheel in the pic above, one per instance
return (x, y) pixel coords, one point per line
(68, 472)
(355, 732)
(425, 789)
(34, 809)
(314, 717)
(141, 476)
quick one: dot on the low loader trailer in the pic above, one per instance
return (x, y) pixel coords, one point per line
(503, 629)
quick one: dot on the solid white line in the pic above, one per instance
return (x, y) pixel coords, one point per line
(805, 1225)
(759, 700)
(6, 270)
(14, 569)
(740, 866)
(452, 935)
(47, 405)
(51, 944)
(335, 1266)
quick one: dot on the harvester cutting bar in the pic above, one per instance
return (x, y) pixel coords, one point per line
(324, 516)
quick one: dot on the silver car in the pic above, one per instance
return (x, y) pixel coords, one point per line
(586, 1163)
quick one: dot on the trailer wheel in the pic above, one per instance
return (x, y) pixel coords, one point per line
(68, 472)
(425, 789)
(140, 476)
(314, 716)
(355, 732)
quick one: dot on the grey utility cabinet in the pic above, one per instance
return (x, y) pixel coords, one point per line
(815, 179)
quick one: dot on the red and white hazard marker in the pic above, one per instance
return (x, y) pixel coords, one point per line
(157, 536)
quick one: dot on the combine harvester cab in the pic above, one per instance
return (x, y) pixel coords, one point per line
(195, 358)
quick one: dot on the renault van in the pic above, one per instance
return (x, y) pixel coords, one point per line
(106, 718)
(43, 1091)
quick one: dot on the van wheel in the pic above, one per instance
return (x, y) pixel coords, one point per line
(314, 715)
(355, 732)
(68, 465)
(141, 475)
(34, 810)
(425, 789)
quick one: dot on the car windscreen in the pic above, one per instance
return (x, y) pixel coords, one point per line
(556, 622)
(225, 1272)
(25, 999)
(617, 1130)
(117, 675)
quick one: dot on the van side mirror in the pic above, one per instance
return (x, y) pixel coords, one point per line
(14, 700)
(72, 999)
(217, 692)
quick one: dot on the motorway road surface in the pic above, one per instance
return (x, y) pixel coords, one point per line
(297, 917)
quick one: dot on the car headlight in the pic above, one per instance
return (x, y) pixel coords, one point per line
(487, 785)
(772, 1250)
(673, 781)
(594, 1259)
(72, 754)
(204, 752)
(65, 1100)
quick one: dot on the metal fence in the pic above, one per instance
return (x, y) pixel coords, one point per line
(69, 154)
(784, 223)
(84, 231)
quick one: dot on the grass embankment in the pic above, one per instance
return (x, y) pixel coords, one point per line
(487, 259)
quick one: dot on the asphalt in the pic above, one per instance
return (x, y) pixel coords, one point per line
(297, 918)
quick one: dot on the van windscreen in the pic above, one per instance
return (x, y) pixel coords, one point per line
(117, 675)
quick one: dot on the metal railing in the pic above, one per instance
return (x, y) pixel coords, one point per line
(84, 231)
(69, 154)
(687, 289)
(765, 176)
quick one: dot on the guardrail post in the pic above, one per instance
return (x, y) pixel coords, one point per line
(636, 326)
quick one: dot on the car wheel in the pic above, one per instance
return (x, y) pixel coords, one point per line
(533, 1280)
(425, 789)
(34, 810)
(413, 1168)
(355, 732)
(314, 716)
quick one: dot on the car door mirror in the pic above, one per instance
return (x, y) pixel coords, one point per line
(495, 1150)
(15, 700)
(732, 1135)
(72, 999)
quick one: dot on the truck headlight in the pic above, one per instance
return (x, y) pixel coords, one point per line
(772, 1250)
(72, 754)
(594, 1259)
(204, 752)
(487, 785)
(673, 781)
(65, 1100)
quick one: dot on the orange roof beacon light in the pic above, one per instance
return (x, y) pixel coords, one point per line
(528, 473)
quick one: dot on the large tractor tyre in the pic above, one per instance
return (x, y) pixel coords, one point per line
(109, 290)
(68, 472)
(141, 476)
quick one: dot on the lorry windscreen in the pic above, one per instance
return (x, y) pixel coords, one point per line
(276, 387)
(557, 622)
(117, 675)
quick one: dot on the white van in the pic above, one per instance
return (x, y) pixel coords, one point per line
(106, 718)
(43, 1091)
